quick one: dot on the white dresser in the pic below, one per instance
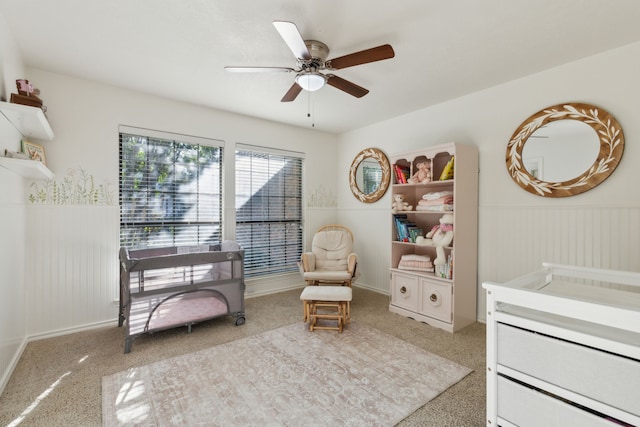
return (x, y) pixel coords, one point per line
(563, 348)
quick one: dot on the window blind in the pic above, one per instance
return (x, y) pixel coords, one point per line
(269, 209)
(170, 190)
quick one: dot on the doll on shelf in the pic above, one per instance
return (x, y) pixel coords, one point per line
(423, 175)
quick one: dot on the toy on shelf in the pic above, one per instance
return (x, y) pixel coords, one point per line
(423, 175)
(27, 95)
(447, 171)
(399, 204)
(440, 236)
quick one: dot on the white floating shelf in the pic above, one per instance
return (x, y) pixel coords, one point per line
(27, 168)
(30, 121)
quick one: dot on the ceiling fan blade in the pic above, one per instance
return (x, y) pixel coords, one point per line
(292, 93)
(346, 86)
(291, 36)
(258, 69)
(363, 57)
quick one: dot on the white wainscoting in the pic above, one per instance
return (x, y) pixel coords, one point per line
(71, 267)
(513, 241)
(516, 240)
(13, 329)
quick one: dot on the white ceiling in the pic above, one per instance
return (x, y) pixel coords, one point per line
(444, 49)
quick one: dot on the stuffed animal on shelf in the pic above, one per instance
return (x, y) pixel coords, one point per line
(423, 175)
(440, 236)
(399, 204)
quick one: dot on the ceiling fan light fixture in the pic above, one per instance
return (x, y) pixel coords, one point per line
(310, 81)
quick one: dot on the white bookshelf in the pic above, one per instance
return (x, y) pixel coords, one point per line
(448, 303)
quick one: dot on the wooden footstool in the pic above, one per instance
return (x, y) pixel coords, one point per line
(326, 299)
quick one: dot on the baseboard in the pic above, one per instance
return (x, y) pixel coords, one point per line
(272, 284)
(371, 288)
(12, 366)
(71, 330)
(262, 291)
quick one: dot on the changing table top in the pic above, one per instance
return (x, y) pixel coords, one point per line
(604, 302)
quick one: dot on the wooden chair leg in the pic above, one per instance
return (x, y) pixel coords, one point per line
(348, 311)
(305, 316)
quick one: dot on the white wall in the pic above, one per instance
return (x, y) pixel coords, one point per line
(517, 230)
(12, 224)
(85, 117)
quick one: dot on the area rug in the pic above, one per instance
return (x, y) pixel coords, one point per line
(284, 377)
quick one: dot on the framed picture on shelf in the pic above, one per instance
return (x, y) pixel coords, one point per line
(34, 151)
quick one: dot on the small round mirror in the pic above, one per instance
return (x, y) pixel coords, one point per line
(369, 175)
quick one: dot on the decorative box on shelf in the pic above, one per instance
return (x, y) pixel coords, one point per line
(32, 101)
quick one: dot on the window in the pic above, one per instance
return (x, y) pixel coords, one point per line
(170, 189)
(269, 209)
(371, 176)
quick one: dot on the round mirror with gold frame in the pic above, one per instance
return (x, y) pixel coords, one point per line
(369, 175)
(555, 149)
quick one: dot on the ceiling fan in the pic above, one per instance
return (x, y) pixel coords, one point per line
(312, 58)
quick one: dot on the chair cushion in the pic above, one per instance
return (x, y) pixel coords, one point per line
(326, 293)
(333, 245)
(327, 275)
(332, 264)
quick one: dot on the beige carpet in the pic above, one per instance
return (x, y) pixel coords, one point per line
(287, 376)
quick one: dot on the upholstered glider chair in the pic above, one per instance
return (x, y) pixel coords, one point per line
(331, 259)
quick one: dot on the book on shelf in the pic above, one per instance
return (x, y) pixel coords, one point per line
(402, 173)
(414, 233)
(399, 221)
(406, 231)
(445, 270)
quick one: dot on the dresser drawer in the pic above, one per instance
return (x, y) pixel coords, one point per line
(596, 374)
(436, 300)
(527, 407)
(405, 291)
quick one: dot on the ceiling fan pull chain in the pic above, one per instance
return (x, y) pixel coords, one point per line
(310, 113)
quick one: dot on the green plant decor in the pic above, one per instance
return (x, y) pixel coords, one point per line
(322, 198)
(76, 188)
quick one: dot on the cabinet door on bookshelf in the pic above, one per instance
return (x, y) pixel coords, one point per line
(404, 291)
(436, 299)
